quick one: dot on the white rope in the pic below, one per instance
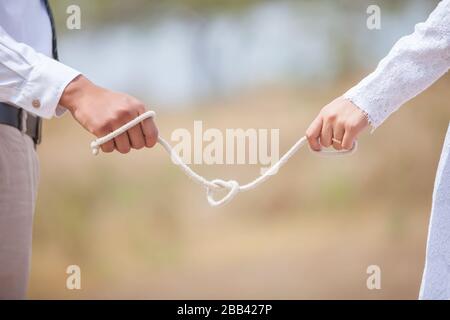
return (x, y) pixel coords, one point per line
(232, 186)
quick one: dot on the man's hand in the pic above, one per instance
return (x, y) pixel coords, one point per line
(338, 124)
(101, 111)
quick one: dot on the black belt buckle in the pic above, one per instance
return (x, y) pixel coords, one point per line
(33, 126)
(14, 116)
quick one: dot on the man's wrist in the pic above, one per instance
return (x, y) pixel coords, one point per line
(73, 92)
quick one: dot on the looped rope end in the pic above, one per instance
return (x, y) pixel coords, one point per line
(95, 147)
(334, 153)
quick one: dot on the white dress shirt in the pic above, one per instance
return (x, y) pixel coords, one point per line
(29, 77)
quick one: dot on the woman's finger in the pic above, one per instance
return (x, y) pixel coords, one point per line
(347, 141)
(338, 136)
(326, 134)
(313, 133)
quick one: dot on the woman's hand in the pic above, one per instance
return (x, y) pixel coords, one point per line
(338, 124)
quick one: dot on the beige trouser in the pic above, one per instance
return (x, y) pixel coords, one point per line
(19, 174)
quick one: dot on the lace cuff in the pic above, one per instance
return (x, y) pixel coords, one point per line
(373, 118)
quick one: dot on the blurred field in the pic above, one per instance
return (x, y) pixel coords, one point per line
(138, 228)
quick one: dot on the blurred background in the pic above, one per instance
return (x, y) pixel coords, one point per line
(138, 228)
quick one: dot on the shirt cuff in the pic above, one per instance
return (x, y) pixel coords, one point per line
(42, 91)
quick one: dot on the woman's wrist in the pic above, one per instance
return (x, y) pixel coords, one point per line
(365, 114)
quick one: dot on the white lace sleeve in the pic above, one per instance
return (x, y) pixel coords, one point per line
(412, 65)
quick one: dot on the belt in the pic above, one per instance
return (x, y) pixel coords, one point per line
(13, 116)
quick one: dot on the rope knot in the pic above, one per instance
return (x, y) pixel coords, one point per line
(231, 185)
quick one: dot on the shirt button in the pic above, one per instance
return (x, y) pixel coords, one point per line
(36, 103)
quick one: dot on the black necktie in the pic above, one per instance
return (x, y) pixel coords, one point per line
(52, 22)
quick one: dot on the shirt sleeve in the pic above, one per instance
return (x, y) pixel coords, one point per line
(412, 65)
(31, 80)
